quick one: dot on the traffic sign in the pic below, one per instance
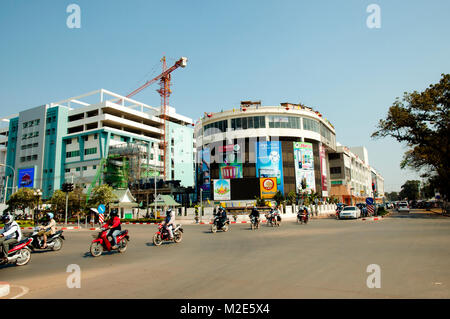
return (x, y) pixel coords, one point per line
(369, 201)
(101, 208)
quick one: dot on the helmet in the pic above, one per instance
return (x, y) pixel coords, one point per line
(169, 210)
(50, 215)
(7, 219)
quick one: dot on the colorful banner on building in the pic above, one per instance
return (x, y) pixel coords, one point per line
(304, 166)
(26, 177)
(269, 161)
(231, 165)
(205, 177)
(268, 187)
(222, 189)
(323, 170)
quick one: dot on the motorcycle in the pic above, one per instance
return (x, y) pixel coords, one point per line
(19, 253)
(273, 219)
(162, 234)
(217, 225)
(54, 242)
(255, 222)
(302, 218)
(101, 242)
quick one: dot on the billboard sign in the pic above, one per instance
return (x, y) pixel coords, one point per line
(205, 177)
(323, 170)
(222, 189)
(26, 177)
(269, 161)
(231, 165)
(268, 187)
(304, 165)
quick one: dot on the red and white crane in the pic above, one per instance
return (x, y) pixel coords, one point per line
(164, 91)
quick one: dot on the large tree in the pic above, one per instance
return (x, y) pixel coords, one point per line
(22, 199)
(410, 190)
(102, 194)
(421, 121)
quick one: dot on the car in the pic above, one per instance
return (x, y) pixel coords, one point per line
(403, 207)
(350, 212)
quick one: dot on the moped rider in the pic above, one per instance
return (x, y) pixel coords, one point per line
(170, 222)
(254, 214)
(113, 224)
(9, 235)
(47, 230)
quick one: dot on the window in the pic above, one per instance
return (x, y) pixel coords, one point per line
(311, 125)
(84, 168)
(95, 136)
(244, 123)
(73, 154)
(216, 127)
(335, 170)
(69, 141)
(77, 169)
(94, 167)
(67, 170)
(35, 157)
(86, 138)
(90, 151)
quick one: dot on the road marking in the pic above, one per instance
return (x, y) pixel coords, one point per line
(25, 290)
(4, 289)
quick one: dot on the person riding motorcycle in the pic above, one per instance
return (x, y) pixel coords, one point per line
(222, 214)
(170, 222)
(113, 224)
(47, 230)
(254, 214)
(303, 212)
(9, 235)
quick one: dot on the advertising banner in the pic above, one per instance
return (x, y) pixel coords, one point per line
(222, 189)
(231, 166)
(268, 187)
(323, 170)
(205, 177)
(269, 162)
(26, 177)
(304, 165)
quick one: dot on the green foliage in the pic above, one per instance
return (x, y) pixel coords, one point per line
(421, 120)
(102, 194)
(392, 196)
(259, 202)
(410, 190)
(291, 198)
(76, 202)
(279, 198)
(22, 199)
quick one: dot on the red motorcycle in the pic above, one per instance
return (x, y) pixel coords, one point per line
(162, 234)
(19, 253)
(101, 242)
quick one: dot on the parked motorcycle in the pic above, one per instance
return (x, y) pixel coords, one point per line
(218, 225)
(255, 221)
(102, 243)
(54, 242)
(19, 253)
(162, 234)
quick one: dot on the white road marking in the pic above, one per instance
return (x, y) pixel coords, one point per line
(25, 290)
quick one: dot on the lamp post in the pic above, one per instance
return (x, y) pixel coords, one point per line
(14, 180)
(38, 194)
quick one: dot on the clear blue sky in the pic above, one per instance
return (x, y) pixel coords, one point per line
(318, 52)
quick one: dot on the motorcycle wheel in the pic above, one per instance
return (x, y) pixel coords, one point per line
(96, 249)
(225, 228)
(213, 228)
(253, 226)
(157, 240)
(123, 245)
(178, 237)
(58, 244)
(25, 256)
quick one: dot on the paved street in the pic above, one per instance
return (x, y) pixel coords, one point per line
(325, 259)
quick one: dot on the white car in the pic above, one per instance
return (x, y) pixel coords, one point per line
(403, 207)
(350, 212)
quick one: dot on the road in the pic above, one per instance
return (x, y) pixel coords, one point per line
(325, 259)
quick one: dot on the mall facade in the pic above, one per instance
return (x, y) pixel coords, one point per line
(255, 151)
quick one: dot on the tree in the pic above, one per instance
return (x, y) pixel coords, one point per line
(76, 202)
(392, 196)
(410, 190)
(102, 194)
(279, 198)
(22, 199)
(421, 120)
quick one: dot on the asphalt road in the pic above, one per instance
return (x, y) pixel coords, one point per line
(325, 259)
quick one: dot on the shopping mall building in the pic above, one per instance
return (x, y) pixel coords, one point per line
(255, 151)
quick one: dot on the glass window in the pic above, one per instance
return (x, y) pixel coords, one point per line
(244, 123)
(250, 122)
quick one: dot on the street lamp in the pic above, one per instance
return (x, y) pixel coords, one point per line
(38, 194)
(14, 180)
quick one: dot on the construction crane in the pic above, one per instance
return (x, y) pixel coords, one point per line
(164, 91)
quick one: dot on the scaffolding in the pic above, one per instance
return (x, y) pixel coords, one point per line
(128, 165)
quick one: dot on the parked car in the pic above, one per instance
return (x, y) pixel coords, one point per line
(350, 212)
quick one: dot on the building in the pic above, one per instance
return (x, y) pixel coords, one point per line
(242, 146)
(71, 140)
(352, 176)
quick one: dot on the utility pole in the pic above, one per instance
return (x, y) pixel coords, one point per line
(201, 204)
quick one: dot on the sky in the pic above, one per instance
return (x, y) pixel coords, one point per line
(319, 53)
